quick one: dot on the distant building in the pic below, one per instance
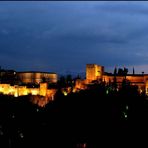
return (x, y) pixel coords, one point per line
(137, 79)
(41, 95)
(37, 77)
(94, 72)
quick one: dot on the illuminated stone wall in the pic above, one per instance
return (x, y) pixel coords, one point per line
(50, 94)
(146, 83)
(119, 79)
(37, 77)
(43, 89)
(7, 89)
(34, 91)
(94, 72)
(16, 90)
(146, 87)
(138, 80)
(80, 84)
(43, 100)
(135, 78)
(22, 90)
(26, 77)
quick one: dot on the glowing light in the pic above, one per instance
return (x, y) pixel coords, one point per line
(107, 91)
(15, 95)
(43, 89)
(74, 90)
(1, 89)
(126, 107)
(21, 134)
(125, 115)
(52, 97)
(65, 93)
(13, 116)
(34, 92)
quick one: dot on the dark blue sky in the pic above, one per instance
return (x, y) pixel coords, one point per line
(65, 36)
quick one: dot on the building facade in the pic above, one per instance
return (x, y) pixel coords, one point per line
(96, 72)
(37, 77)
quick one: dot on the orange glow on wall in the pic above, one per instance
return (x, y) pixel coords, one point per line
(40, 96)
(34, 91)
(16, 91)
(43, 100)
(43, 89)
(94, 72)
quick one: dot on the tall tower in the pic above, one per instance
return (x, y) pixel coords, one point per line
(43, 89)
(94, 72)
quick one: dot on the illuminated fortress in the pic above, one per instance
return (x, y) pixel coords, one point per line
(40, 96)
(17, 90)
(37, 77)
(96, 72)
(35, 84)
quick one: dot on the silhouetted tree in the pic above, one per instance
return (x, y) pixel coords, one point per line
(120, 71)
(115, 79)
(125, 71)
(78, 77)
(44, 79)
(115, 71)
(69, 80)
(62, 81)
(133, 71)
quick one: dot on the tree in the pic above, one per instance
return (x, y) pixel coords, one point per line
(115, 71)
(115, 80)
(43, 79)
(120, 71)
(133, 71)
(125, 71)
(62, 81)
(69, 80)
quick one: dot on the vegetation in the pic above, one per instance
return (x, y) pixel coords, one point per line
(89, 116)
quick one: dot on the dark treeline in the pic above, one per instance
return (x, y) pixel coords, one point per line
(97, 116)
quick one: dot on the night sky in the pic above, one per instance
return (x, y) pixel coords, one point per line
(63, 37)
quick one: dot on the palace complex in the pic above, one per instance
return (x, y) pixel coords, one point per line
(94, 73)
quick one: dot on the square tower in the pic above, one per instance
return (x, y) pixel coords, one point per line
(94, 72)
(43, 89)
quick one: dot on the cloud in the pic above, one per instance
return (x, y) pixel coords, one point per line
(5, 32)
(71, 34)
(126, 7)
